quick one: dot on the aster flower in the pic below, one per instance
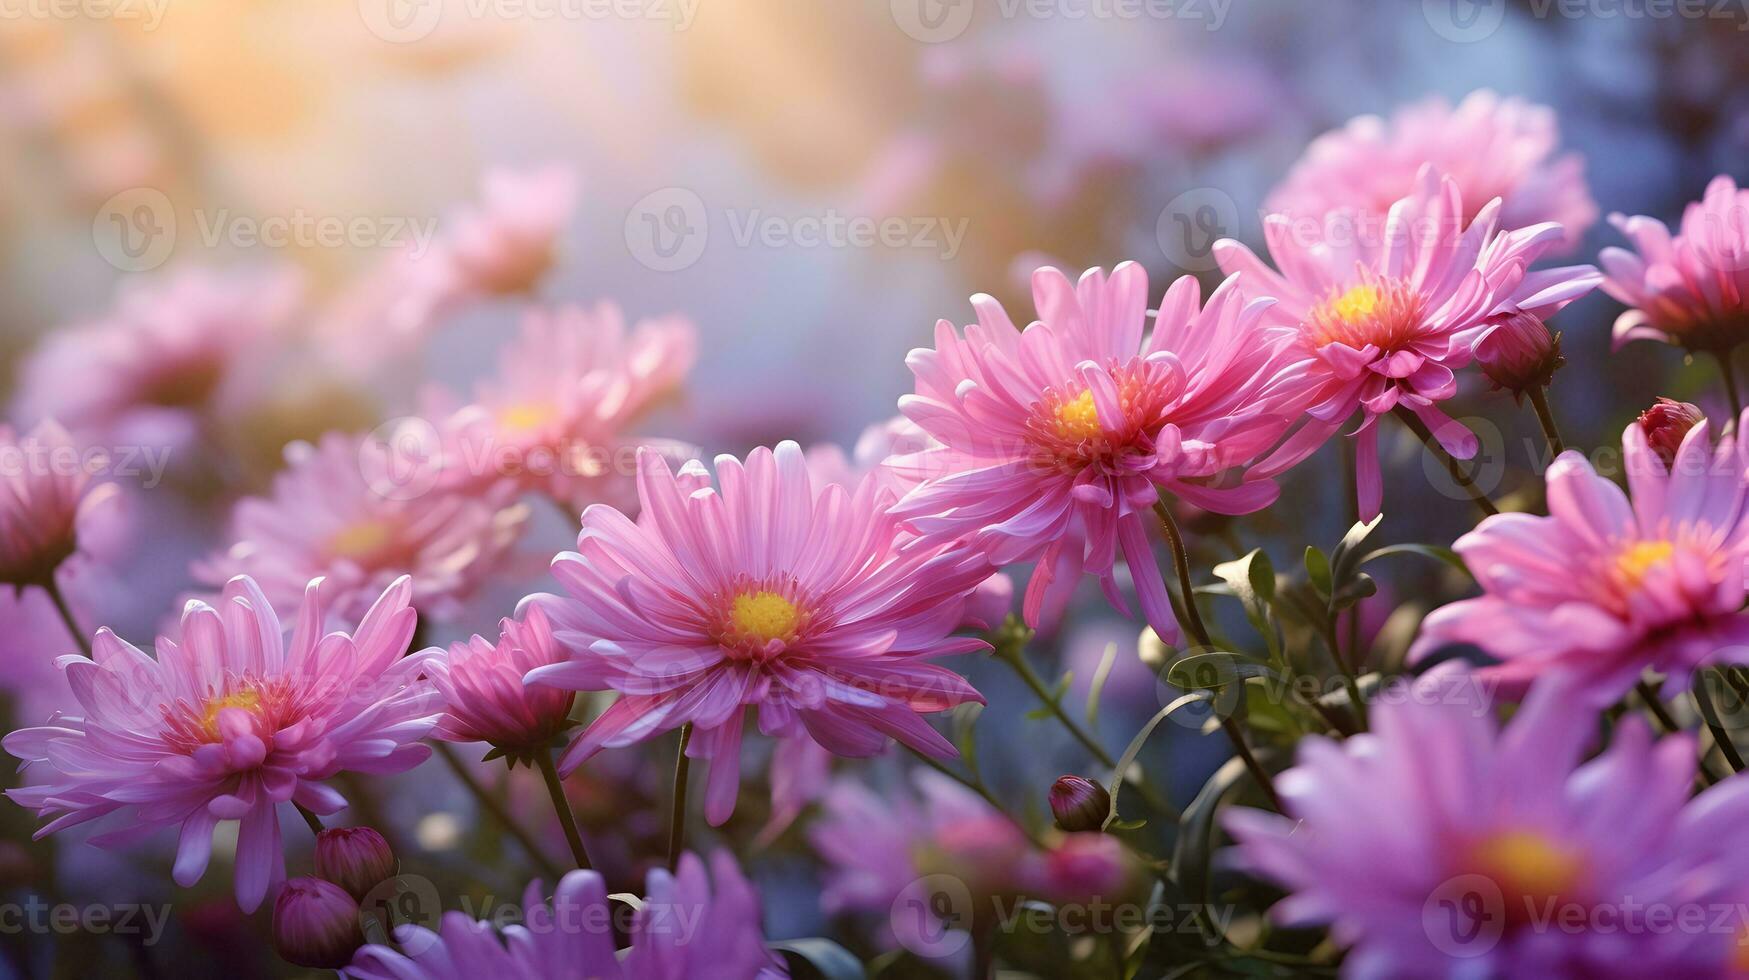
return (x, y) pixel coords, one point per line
(1386, 316)
(554, 418)
(228, 723)
(1690, 289)
(45, 494)
(1492, 147)
(1054, 442)
(1440, 846)
(485, 699)
(765, 590)
(688, 925)
(157, 365)
(326, 517)
(504, 244)
(1605, 588)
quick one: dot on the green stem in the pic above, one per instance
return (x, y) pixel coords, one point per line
(677, 820)
(1349, 678)
(1017, 659)
(562, 804)
(1656, 706)
(976, 785)
(1258, 773)
(1730, 377)
(310, 818)
(1539, 400)
(491, 805)
(1458, 474)
(1721, 737)
(54, 590)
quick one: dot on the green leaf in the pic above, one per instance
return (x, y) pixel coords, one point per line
(1098, 686)
(965, 717)
(1130, 752)
(1342, 560)
(1251, 578)
(1191, 852)
(820, 958)
(1318, 569)
(1433, 551)
(1356, 589)
(1213, 671)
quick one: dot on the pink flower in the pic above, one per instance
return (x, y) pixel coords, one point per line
(1055, 442)
(505, 244)
(230, 723)
(1605, 588)
(1690, 289)
(157, 365)
(332, 515)
(46, 492)
(765, 590)
(486, 701)
(555, 417)
(1520, 353)
(1666, 424)
(1492, 147)
(1441, 845)
(687, 926)
(1386, 314)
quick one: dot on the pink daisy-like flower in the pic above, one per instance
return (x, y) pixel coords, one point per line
(46, 491)
(1690, 289)
(330, 515)
(1439, 845)
(485, 699)
(554, 418)
(228, 723)
(764, 590)
(687, 926)
(1605, 588)
(1387, 314)
(157, 365)
(1055, 441)
(1492, 147)
(505, 244)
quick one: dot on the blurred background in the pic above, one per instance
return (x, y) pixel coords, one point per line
(813, 183)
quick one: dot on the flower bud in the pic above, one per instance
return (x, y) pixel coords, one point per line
(355, 858)
(1079, 804)
(1520, 353)
(315, 924)
(1665, 424)
(1087, 867)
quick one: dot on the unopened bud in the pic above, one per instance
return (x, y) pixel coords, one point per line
(1665, 424)
(1520, 353)
(1079, 804)
(316, 924)
(355, 858)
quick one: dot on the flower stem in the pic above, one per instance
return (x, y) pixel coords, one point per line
(975, 783)
(54, 590)
(491, 805)
(1656, 706)
(1016, 659)
(1452, 466)
(562, 804)
(1721, 737)
(677, 820)
(1730, 377)
(1539, 400)
(1260, 774)
(310, 818)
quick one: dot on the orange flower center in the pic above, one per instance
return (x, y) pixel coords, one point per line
(1383, 313)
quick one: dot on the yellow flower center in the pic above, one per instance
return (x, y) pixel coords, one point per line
(360, 540)
(763, 616)
(1358, 303)
(1641, 557)
(1078, 419)
(529, 415)
(248, 699)
(1383, 313)
(1527, 865)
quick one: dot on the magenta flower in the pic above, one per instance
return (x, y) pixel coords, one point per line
(1605, 588)
(332, 516)
(1690, 289)
(688, 926)
(1492, 147)
(485, 699)
(229, 723)
(766, 589)
(1439, 846)
(1055, 441)
(555, 418)
(157, 365)
(46, 492)
(1386, 314)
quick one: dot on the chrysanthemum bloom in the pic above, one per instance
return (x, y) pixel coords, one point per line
(327, 518)
(766, 590)
(485, 699)
(45, 492)
(1439, 846)
(170, 352)
(230, 722)
(555, 418)
(1387, 314)
(1690, 289)
(1493, 148)
(1605, 588)
(1055, 441)
(688, 926)
(505, 244)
